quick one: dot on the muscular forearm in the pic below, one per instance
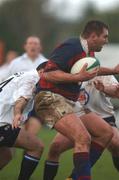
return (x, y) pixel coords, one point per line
(109, 71)
(59, 76)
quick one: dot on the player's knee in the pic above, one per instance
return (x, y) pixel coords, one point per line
(40, 147)
(83, 141)
(37, 148)
(55, 149)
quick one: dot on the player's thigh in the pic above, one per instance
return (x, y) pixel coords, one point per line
(27, 140)
(72, 127)
(5, 154)
(33, 125)
(61, 143)
(95, 124)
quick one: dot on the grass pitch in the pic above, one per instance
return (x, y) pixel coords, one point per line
(103, 170)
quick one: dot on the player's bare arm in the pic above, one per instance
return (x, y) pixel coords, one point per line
(108, 71)
(18, 109)
(59, 76)
(112, 91)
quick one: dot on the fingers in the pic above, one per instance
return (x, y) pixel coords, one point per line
(85, 75)
(99, 85)
(15, 124)
(95, 83)
(16, 121)
(84, 68)
(94, 71)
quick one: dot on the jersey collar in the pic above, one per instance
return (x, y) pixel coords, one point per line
(84, 45)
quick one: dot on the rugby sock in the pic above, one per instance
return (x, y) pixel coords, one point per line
(50, 170)
(81, 166)
(95, 152)
(28, 165)
(116, 162)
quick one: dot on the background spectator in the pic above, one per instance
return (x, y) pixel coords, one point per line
(30, 59)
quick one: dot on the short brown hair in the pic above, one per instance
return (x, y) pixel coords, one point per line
(93, 26)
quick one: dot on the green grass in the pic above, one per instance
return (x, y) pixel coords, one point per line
(103, 170)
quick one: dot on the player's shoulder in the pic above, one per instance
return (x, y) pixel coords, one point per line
(72, 41)
(69, 41)
(73, 44)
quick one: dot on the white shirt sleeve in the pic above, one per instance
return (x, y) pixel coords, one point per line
(26, 88)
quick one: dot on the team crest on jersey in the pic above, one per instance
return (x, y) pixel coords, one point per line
(83, 97)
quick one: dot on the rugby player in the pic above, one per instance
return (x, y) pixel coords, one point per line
(16, 100)
(97, 101)
(56, 105)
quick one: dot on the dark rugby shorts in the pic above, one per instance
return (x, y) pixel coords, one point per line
(111, 120)
(8, 135)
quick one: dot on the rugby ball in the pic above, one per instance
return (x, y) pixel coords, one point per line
(91, 61)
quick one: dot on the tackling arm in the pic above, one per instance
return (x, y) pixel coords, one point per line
(18, 109)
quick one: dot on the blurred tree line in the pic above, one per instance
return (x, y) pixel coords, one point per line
(21, 18)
